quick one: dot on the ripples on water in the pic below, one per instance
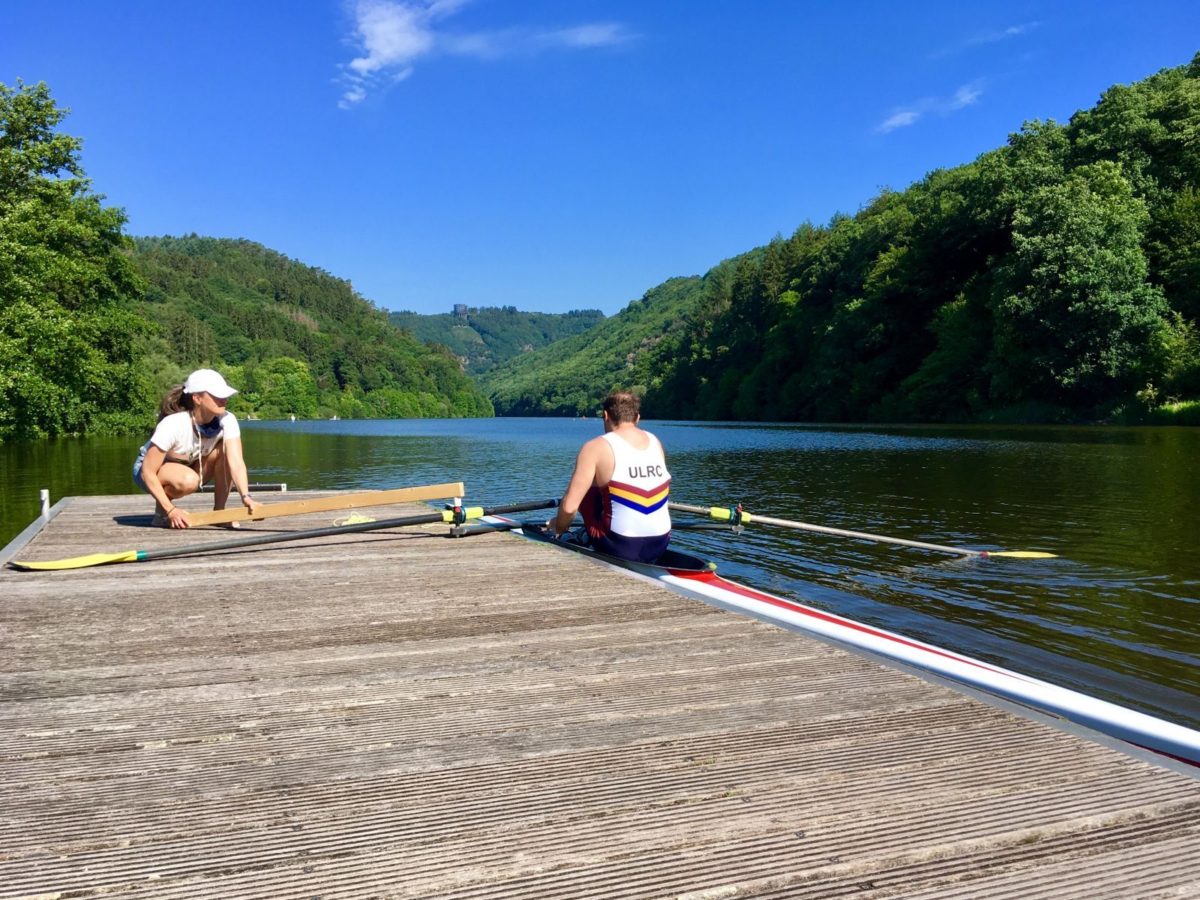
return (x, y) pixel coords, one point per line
(1116, 616)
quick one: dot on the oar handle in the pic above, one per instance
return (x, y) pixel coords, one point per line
(725, 514)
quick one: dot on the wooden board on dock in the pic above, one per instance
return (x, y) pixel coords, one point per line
(400, 714)
(328, 504)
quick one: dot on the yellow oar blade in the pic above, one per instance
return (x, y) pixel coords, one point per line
(1022, 554)
(78, 562)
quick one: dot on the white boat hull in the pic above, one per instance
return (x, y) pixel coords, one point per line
(1140, 730)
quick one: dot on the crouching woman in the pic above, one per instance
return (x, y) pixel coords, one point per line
(197, 440)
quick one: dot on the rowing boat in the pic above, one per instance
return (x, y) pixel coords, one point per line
(1167, 742)
(670, 561)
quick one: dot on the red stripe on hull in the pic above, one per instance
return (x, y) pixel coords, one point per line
(741, 590)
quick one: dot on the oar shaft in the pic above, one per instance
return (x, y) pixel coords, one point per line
(261, 539)
(485, 529)
(717, 512)
(258, 540)
(862, 535)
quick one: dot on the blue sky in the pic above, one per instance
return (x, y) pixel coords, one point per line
(550, 155)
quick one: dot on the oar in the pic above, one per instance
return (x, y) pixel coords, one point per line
(448, 515)
(736, 516)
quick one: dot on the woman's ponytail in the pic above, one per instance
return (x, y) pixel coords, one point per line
(173, 401)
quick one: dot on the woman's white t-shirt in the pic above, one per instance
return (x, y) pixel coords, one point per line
(179, 438)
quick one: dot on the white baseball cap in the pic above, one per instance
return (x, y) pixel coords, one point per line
(208, 381)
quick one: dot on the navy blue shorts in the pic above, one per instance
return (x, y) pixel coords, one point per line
(635, 549)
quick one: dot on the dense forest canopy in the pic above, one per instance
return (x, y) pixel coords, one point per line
(1055, 278)
(484, 338)
(95, 325)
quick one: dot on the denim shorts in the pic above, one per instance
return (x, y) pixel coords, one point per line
(137, 475)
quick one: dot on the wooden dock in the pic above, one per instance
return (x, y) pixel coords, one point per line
(404, 715)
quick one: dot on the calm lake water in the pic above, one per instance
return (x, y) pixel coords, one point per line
(1117, 616)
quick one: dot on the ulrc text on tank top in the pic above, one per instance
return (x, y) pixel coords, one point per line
(646, 471)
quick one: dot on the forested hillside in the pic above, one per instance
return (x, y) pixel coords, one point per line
(569, 377)
(486, 337)
(1055, 278)
(93, 326)
(296, 339)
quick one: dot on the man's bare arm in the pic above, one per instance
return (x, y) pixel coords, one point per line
(582, 479)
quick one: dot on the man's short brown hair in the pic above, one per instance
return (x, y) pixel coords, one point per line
(622, 406)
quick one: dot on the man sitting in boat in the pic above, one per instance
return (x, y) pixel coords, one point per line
(620, 485)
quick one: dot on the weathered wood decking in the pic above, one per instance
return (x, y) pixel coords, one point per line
(399, 714)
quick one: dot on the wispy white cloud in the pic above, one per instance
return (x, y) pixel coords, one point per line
(600, 34)
(392, 35)
(964, 96)
(986, 37)
(911, 113)
(899, 119)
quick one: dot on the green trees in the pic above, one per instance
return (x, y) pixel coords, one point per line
(488, 336)
(1055, 278)
(1076, 320)
(68, 330)
(569, 377)
(280, 387)
(1174, 250)
(93, 326)
(305, 342)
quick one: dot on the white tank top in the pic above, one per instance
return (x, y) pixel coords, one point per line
(639, 488)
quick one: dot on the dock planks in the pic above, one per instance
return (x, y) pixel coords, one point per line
(401, 714)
